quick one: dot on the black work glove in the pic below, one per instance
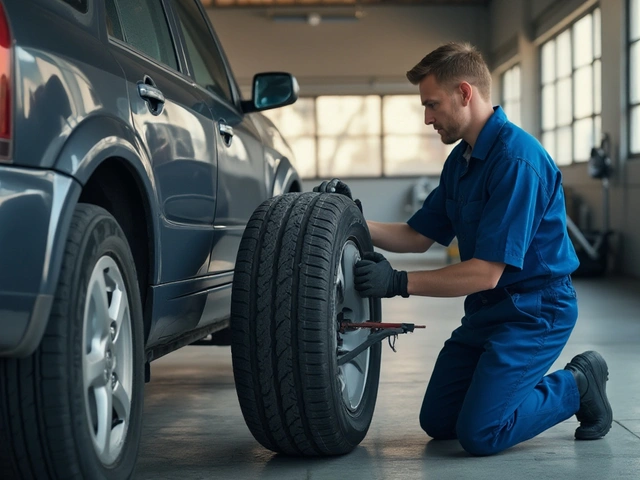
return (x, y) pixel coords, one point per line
(374, 277)
(335, 185)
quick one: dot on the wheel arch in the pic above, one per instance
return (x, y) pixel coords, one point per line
(286, 178)
(106, 157)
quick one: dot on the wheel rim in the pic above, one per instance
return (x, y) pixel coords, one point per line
(352, 376)
(107, 361)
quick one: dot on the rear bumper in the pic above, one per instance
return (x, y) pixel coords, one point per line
(36, 207)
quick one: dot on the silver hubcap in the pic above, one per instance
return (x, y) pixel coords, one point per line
(352, 376)
(107, 362)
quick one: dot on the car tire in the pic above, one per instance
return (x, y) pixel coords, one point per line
(73, 409)
(293, 284)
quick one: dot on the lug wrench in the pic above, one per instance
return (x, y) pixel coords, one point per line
(385, 330)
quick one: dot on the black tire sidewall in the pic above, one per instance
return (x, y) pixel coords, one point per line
(353, 424)
(103, 236)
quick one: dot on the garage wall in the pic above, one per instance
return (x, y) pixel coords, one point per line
(538, 21)
(372, 55)
(379, 48)
(367, 56)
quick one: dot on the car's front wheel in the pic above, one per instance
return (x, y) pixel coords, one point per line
(73, 409)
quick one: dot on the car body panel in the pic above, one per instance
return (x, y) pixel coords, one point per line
(33, 206)
(77, 87)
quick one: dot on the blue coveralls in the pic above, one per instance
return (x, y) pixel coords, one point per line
(504, 204)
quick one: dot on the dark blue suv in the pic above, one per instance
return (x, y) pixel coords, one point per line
(129, 168)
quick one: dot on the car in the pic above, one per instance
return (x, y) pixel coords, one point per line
(130, 165)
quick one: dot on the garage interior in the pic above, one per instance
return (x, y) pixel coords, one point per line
(567, 72)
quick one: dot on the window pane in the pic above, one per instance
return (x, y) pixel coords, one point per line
(208, 65)
(634, 142)
(506, 85)
(512, 84)
(294, 120)
(549, 143)
(146, 29)
(114, 28)
(583, 92)
(304, 149)
(512, 110)
(413, 154)
(563, 58)
(583, 140)
(597, 34)
(80, 5)
(634, 32)
(548, 62)
(583, 41)
(597, 86)
(549, 107)
(348, 157)
(515, 83)
(597, 127)
(403, 114)
(565, 114)
(634, 70)
(564, 156)
(515, 114)
(348, 115)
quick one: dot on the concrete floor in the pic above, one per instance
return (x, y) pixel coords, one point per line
(193, 427)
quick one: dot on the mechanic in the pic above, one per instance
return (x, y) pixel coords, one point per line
(500, 193)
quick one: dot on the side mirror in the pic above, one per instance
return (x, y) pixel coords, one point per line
(271, 90)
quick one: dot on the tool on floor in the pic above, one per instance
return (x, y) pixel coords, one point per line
(384, 330)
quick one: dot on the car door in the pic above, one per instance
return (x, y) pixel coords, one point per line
(242, 184)
(176, 130)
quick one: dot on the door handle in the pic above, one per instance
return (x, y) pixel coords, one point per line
(153, 96)
(226, 131)
(150, 93)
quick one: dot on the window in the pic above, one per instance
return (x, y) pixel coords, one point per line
(571, 91)
(145, 28)
(410, 147)
(114, 28)
(349, 136)
(206, 61)
(511, 93)
(360, 136)
(634, 77)
(80, 5)
(297, 123)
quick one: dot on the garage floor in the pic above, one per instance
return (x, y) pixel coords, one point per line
(193, 427)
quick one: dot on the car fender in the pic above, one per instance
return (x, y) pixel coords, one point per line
(286, 178)
(100, 138)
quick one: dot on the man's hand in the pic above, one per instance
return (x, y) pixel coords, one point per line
(374, 277)
(335, 185)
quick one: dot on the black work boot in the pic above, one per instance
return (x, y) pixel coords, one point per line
(595, 414)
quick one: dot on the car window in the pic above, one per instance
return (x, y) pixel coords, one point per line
(145, 28)
(114, 28)
(80, 5)
(206, 60)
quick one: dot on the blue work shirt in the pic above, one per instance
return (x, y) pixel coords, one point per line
(504, 204)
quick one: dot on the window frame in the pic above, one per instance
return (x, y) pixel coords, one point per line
(572, 76)
(630, 106)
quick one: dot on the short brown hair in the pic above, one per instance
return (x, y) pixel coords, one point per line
(454, 62)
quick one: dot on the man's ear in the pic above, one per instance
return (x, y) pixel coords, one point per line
(466, 92)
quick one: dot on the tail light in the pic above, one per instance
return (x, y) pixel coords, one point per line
(5, 86)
